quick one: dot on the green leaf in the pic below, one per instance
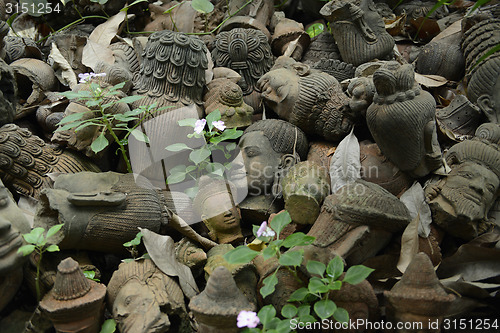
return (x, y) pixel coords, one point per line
(70, 125)
(269, 285)
(191, 192)
(215, 168)
(89, 274)
(130, 99)
(134, 242)
(202, 6)
(356, 274)
(124, 9)
(315, 267)
(268, 252)
(335, 285)
(315, 29)
(52, 248)
(478, 4)
(35, 236)
(71, 118)
(187, 122)
(231, 134)
(139, 135)
(121, 84)
(191, 168)
(335, 267)
(54, 230)
(231, 146)
(11, 19)
(325, 308)
(176, 177)
(304, 310)
(298, 295)
(298, 239)
(240, 255)
(109, 326)
(341, 315)
(134, 112)
(82, 126)
(199, 155)
(92, 103)
(280, 221)
(123, 118)
(178, 147)
(316, 286)
(284, 326)
(266, 314)
(289, 311)
(291, 258)
(212, 116)
(26, 249)
(99, 143)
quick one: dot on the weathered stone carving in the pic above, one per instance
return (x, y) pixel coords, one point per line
(460, 202)
(215, 202)
(20, 47)
(289, 38)
(173, 70)
(336, 68)
(358, 30)
(75, 304)
(322, 47)
(304, 187)
(309, 99)
(217, 307)
(402, 120)
(483, 86)
(489, 132)
(144, 299)
(268, 147)
(247, 51)
(25, 161)
(444, 58)
(418, 297)
(100, 211)
(8, 94)
(227, 97)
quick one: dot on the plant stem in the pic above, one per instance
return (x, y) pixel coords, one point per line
(117, 140)
(37, 279)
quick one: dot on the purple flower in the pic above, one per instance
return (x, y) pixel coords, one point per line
(199, 126)
(265, 231)
(219, 125)
(247, 319)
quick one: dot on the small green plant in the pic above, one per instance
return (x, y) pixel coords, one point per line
(201, 157)
(315, 29)
(91, 276)
(95, 99)
(315, 295)
(132, 247)
(205, 7)
(37, 241)
(109, 326)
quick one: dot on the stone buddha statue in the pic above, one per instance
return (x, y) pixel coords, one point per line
(215, 202)
(460, 201)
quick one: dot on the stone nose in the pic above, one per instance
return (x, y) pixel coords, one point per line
(4, 225)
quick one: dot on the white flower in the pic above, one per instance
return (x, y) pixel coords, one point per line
(265, 231)
(85, 77)
(247, 319)
(199, 126)
(219, 125)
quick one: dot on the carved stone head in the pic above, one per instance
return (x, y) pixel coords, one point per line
(402, 121)
(460, 202)
(358, 30)
(309, 99)
(267, 147)
(215, 202)
(144, 299)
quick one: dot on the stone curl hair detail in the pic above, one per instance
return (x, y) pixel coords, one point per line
(282, 136)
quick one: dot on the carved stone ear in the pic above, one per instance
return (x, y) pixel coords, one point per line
(486, 105)
(301, 69)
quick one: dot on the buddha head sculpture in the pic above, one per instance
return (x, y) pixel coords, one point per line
(215, 202)
(144, 299)
(75, 304)
(268, 147)
(247, 51)
(307, 98)
(172, 72)
(402, 121)
(25, 161)
(304, 187)
(227, 97)
(358, 30)
(460, 201)
(484, 79)
(13, 223)
(100, 211)
(418, 296)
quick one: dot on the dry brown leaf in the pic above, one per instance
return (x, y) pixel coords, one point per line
(455, 28)
(423, 29)
(97, 48)
(430, 80)
(62, 68)
(397, 26)
(409, 244)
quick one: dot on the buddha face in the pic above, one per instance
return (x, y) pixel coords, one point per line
(136, 309)
(222, 217)
(471, 189)
(13, 223)
(260, 160)
(280, 90)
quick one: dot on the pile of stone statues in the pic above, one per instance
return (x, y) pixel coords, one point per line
(295, 98)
